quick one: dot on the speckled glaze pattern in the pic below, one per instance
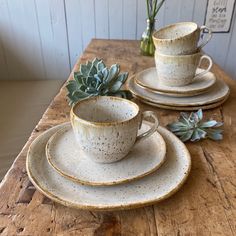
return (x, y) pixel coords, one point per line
(148, 190)
(106, 127)
(218, 92)
(183, 108)
(148, 79)
(146, 157)
(180, 38)
(180, 70)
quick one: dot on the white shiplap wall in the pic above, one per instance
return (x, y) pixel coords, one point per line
(42, 39)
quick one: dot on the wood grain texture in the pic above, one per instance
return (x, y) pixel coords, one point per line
(205, 205)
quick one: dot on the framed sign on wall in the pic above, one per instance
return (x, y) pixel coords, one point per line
(219, 15)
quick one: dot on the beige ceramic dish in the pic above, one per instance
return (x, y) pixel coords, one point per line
(146, 191)
(180, 70)
(218, 92)
(145, 157)
(180, 38)
(149, 80)
(188, 108)
(106, 127)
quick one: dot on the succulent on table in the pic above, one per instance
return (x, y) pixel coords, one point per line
(192, 127)
(94, 78)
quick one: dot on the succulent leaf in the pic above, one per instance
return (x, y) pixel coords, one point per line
(93, 79)
(186, 136)
(84, 69)
(190, 127)
(208, 124)
(100, 66)
(113, 72)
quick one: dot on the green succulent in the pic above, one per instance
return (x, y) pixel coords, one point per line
(94, 78)
(192, 127)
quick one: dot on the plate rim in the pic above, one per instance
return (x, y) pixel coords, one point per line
(184, 108)
(112, 183)
(176, 104)
(190, 93)
(102, 207)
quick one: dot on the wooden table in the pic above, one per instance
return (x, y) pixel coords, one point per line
(205, 205)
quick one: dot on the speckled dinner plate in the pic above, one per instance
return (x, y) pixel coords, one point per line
(148, 79)
(218, 92)
(187, 108)
(148, 190)
(65, 156)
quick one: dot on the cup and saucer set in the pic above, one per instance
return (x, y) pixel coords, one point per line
(178, 82)
(108, 157)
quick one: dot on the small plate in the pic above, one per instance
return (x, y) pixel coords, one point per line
(68, 160)
(146, 191)
(148, 79)
(218, 92)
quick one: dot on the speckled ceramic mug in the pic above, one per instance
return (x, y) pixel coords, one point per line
(106, 128)
(180, 38)
(180, 70)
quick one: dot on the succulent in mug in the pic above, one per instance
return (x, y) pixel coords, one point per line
(192, 127)
(94, 78)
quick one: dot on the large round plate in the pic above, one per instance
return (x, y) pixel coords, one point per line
(66, 157)
(148, 79)
(217, 92)
(148, 190)
(188, 108)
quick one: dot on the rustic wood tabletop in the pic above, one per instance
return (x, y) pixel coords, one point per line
(205, 205)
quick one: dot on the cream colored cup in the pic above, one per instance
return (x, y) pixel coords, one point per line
(180, 38)
(180, 70)
(106, 127)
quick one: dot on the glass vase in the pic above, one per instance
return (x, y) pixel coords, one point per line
(147, 47)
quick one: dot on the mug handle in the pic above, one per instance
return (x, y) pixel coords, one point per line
(152, 129)
(209, 32)
(208, 68)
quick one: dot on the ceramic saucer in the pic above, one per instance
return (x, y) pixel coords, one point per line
(148, 79)
(145, 191)
(218, 92)
(68, 160)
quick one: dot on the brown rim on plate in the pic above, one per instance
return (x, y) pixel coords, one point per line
(102, 207)
(191, 92)
(203, 107)
(178, 95)
(198, 104)
(94, 183)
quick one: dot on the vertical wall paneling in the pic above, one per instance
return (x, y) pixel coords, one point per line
(223, 40)
(186, 10)
(33, 41)
(102, 18)
(199, 11)
(231, 55)
(88, 21)
(74, 27)
(52, 27)
(141, 17)
(172, 11)
(4, 32)
(25, 50)
(18, 48)
(129, 19)
(42, 39)
(116, 19)
(160, 17)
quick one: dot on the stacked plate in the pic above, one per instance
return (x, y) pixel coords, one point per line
(205, 92)
(154, 169)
